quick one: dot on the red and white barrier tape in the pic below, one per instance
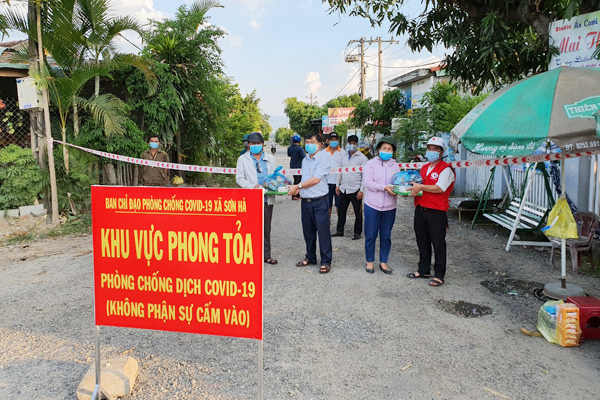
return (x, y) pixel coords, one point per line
(219, 170)
(150, 163)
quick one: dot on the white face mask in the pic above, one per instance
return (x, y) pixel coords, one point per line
(351, 147)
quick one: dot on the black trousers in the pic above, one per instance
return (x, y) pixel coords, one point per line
(344, 201)
(267, 228)
(315, 221)
(430, 229)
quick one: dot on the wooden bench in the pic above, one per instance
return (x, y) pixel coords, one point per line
(533, 219)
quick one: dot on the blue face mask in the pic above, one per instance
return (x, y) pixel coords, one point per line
(153, 145)
(384, 155)
(334, 144)
(351, 147)
(256, 148)
(432, 156)
(311, 148)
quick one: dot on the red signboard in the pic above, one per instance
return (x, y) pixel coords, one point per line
(179, 259)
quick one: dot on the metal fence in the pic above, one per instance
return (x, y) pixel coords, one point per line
(477, 179)
(14, 124)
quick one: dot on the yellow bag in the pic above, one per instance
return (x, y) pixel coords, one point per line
(561, 223)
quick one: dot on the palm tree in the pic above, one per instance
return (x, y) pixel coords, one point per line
(180, 45)
(80, 37)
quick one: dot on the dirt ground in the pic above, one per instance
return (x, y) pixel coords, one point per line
(344, 335)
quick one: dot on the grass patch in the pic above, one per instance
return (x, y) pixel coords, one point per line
(80, 224)
(586, 268)
(20, 237)
(75, 225)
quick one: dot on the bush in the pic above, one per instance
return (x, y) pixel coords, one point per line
(20, 177)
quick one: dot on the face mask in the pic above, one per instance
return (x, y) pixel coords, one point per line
(334, 144)
(311, 148)
(432, 156)
(385, 155)
(256, 148)
(351, 147)
(153, 145)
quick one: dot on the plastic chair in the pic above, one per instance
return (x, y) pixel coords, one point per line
(587, 224)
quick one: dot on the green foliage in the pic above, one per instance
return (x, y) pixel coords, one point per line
(372, 116)
(160, 113)
(283, 136)
(131, 143)
(20, 177)
(74, 185)
(342, 129)
(444, 108)
(342, 101)
(75, 225)
(412, 131)
(300, 114)
(447, 107)
(492, 43)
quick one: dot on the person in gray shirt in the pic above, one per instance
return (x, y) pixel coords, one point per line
(350, 188)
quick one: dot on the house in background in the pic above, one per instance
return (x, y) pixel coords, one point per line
(14, 123)
(416, 83)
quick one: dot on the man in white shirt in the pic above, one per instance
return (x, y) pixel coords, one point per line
(337, 154)
(350, 188)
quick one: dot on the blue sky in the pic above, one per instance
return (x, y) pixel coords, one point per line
(290, 48)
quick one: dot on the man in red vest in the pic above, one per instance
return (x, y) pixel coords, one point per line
(431, 219)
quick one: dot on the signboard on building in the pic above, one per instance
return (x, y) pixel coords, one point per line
(576, 40)
(339, 115)
(179, 259)
(335, 117)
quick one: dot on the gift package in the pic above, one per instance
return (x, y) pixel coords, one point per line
(403, 181)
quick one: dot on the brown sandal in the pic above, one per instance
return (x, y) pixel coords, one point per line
(325, 269)
(304, 263)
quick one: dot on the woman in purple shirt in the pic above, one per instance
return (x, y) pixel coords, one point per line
(380, 203)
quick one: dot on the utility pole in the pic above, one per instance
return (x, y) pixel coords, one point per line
(46, 106)
(363, 72)
(311, 98)
(380, 85)
(363, 68)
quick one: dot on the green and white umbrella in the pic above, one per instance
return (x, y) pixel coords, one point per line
(558, 105)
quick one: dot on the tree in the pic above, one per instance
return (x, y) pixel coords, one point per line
(300, 114)
(372, 116)
(493, 42)
(443, 108)
(342, 101)
(72, 31)
(283, 136)
(187, 45)
(447, 107)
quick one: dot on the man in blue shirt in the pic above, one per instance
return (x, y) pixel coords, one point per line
(315, 208)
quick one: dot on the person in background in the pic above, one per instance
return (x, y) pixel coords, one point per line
(153, 176)
(350, 188)
(337, 154)
(252, 168)
(431, 219)
(314, 207)
(245, 143)
(296, 154)
(380, 203)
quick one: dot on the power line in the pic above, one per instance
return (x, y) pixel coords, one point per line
(338, 93)
(411, 66)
